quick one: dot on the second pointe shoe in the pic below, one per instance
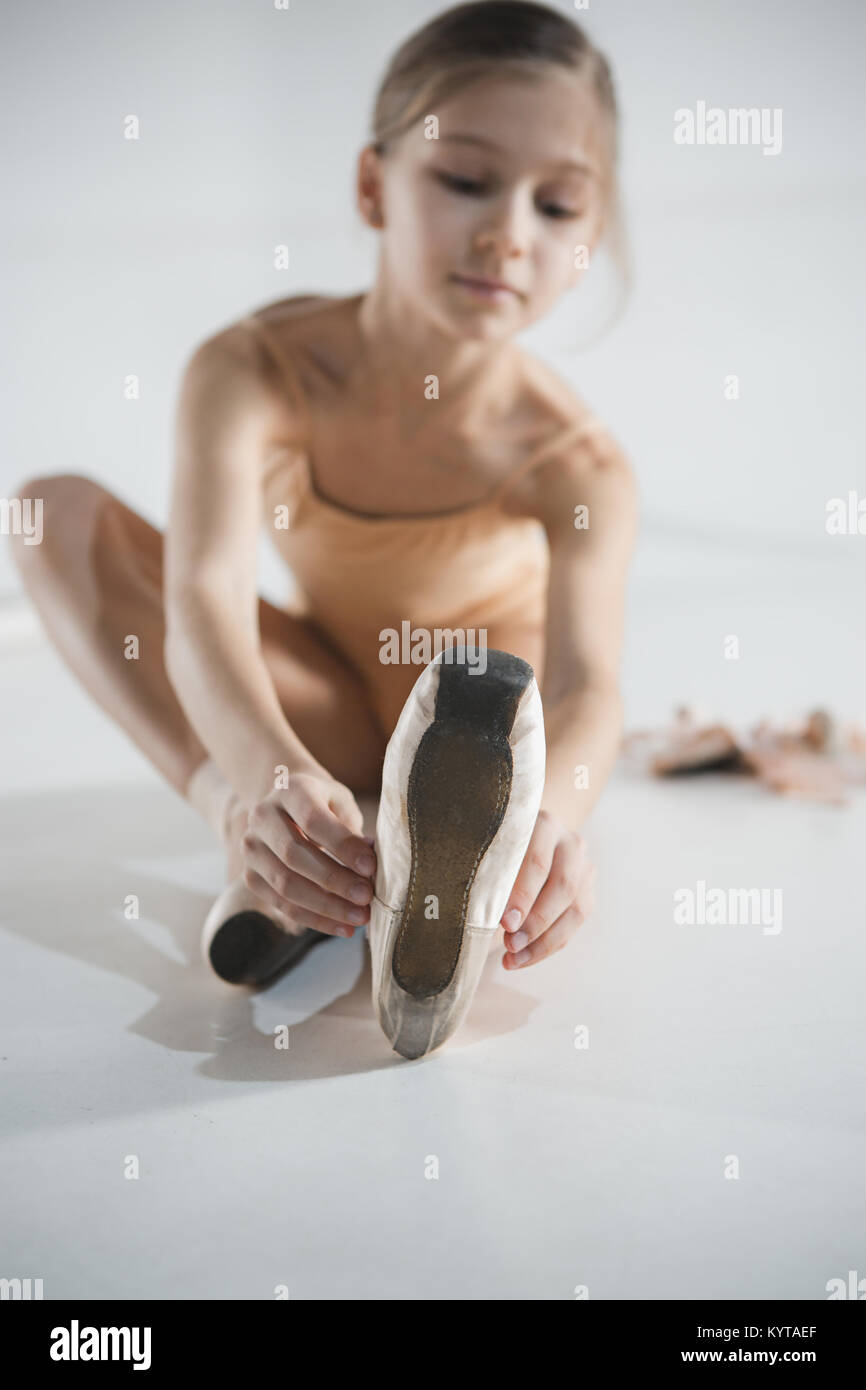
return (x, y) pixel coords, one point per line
(462, 783)
(245, 945)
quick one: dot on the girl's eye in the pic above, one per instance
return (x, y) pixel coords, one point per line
(552, 210)
(459, 185)
(473, 189)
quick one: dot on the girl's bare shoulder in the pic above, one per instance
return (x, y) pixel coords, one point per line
(549, 400)
(314, 329)
(567, 439)
(280, 356)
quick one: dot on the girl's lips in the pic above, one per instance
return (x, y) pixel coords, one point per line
(484, 288)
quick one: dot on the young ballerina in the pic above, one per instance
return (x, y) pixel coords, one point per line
(412, 465)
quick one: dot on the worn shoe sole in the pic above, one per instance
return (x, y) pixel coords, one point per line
(246, 947)
(459, 794)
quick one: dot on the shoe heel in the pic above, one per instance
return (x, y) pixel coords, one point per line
(244, 946)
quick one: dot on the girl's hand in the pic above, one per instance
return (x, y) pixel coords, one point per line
(552, 894)
(285, 859)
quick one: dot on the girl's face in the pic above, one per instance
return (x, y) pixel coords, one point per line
(512, 190)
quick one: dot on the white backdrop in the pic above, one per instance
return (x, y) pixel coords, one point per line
(119, 256)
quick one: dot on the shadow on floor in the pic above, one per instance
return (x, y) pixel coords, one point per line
(73, 857)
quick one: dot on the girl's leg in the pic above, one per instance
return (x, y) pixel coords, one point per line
(96, 578)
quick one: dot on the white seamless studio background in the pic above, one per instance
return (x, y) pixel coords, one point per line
(119, 255)
(708, 1041)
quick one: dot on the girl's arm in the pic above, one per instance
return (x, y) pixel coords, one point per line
(225, 418)
(589, 510)
(588, 504)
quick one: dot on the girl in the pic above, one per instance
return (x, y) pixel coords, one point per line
(414, 467)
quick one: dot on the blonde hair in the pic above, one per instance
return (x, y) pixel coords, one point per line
(495, 36)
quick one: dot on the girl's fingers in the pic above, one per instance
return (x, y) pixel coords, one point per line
(344, 805)
(294, 892)
(299, 916)
(275, 829)
(567, 885)
(319, 824)
(532, 873)
(550, 941)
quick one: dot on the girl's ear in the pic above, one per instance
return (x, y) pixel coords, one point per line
(370, 187)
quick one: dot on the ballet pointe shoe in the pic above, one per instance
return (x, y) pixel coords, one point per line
(243, 942)
(462, 783)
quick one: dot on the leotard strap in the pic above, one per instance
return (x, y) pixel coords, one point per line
(571, 434)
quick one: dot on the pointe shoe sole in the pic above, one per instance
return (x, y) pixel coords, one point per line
(458, 806)
(246, 947)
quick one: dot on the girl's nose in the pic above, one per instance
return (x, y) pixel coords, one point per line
(506, 232)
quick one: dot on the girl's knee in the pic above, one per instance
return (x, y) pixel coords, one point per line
(47, 512)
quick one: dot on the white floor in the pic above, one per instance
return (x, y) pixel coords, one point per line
(558, 1167)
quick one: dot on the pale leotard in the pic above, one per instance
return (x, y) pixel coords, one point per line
(474, 567)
